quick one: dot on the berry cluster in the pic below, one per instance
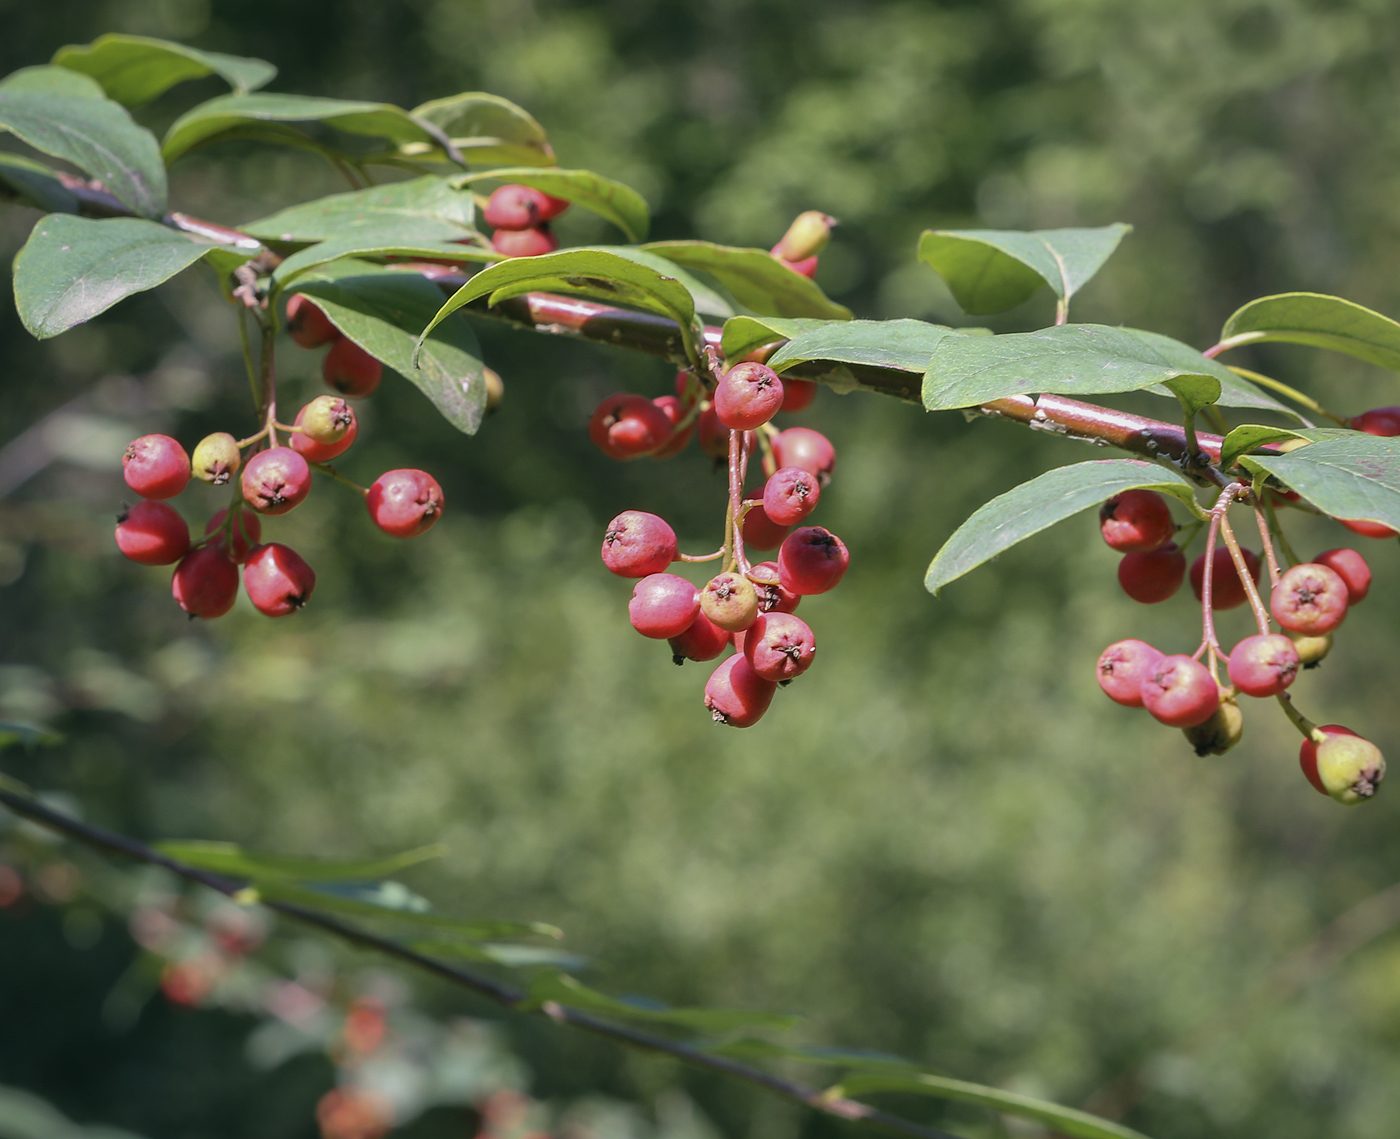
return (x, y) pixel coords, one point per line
(747, 605)
(1308, 601)
(520, 217)
(273, 480)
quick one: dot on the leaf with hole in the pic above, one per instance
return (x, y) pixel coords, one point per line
(565, 990)
(755, 278)
(1347, 474)
(990, 270)
(34, 184)
(1318, 320)
(135, 69)
(619, 204)
(485, 129)
(421, 209)
(1037, 505)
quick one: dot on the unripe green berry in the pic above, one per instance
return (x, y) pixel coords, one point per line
(1218, 734)
(806, 236)
(730, 601)
(1349, 767)
(1311, 650)
(495, 389)
(327, 419)
(216, 459)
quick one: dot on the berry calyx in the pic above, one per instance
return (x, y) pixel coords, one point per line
(1154, 576)
(805, 237)
(1310, 599)
(1383, 421)
(761, 532)
(674, 411)
(1180, 692)
(533, 242)
(520, 207)
(244, 533)
(1218, 734)
(1264, 664)
(275, 480)
(216, 459)
(730, 601)
(798, 394)
(812, 560)
(152, 533)
(636, 544)
(405, 503)
(1351, 567)
(309, 326)
(805, 448)
(627, 426)
(772, 597)
(748, 396)
(1136, 521)
(350, 370)
(205, 582)
(278, 580)
(1311, 650)
(1226, 589)
(663, 606)
(779, 646)
(331, 414)
(790, 495)
(1122, 669)
(702, 640)
(736, 695)
(156, 466)
(1342, 764)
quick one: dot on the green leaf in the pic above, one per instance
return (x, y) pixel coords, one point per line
(204, 122)
(374, 245)
(757, 1048)
(231, 859)
(619, 204)
(706, 299)
(903, 344)
(584, 272)
(565, 990)
(512, 955)
(73, 268)
(34, 184)
(744, 334)
(135, 69)
(1069, 359)
(1036, 505)
(382, 310)
(486, 129)
(1319, 320)
(421, 209)
(1247, 437)
(992, 270)
(1347, 474)
(1064, 1120)
(63, 114)
(30, 735)
(756, 279)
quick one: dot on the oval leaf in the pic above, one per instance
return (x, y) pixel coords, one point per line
(903, 344)
(1246, 438)
(1036, 505)
(619, 204)
(990, 270)
(421, 209)
(135, 69)
(757, 280)
(1347, 474)
(231, 859)
(706, 299)
(1319, 320)
(565, 990)
(486, 129)
(73, 268)
(374, 245)
(34, 184)
(743, 334)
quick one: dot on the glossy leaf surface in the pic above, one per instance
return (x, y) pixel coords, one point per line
(756, 279)
(135, 69)
(421, 209)
(1321, 321)
(487, 129)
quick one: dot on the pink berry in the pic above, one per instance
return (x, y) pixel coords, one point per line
(675, 411)
(1154, 576)
(790, 495)
(805, 448)
(350, 370)
(627, 426)
(205, 582)
(405, 503)
(663, 606)
(1227, 591)
(761, 532)
(152, 533)
(1136, 521)
(1180, 692)
(278, 581)
(243, 534)
(520, 207)
(1264, 664)
(316, 452)
(812, 560)
(748, 396)
(779, 646)
(276, 480)
(1351, 567)
(1122, 669)
(636, 544)
(309, 326)
(156, 466)
(736, 694)
(533, 242)
(702, 640)
(772, 597)
(1383, 421)
(798, 394)
(1310, 599)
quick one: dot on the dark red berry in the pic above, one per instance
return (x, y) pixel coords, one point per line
(534, 242)
(1136, 521)
(350, 370)
(812, 560)
(1264, 664)
(1351, 567)
(152, 533)
(663, 606)
(736, 695)
(761, 532)
(405, 503)
(278, 581)
(309, 326)
(1180, 692)
(748, 396)
(779, 646)
(772, 597)
(675, 411)
(205, 582)
(244, 533)
(712, 435)
(798, 394)
(636, 544)
(790, 495)
(276, 480)
(1226, 589)
(156, 466)
(805, 448)
(702, 640)
(627, 426)
(1122, 669)
(520, 207)
(1378, 421)
(1153, 576)
(1310, 599)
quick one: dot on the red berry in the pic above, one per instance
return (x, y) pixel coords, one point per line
(275, 480)
(1264, 664)
(152, 533)
(309, 326)
(636, 544)
(1366, 528)
(1180, 692)
(805, 448)
(629, 426)
(748, 396)
(1351, 567)
(712, 435)
(812, 560)
(703, 640)
(807, 267)
(736, 694)
(243, 535)
(1310, 599)
(1227, 591)
(798, 394)
(760, 531)
(663, 606)
(1342, 764)
(1122, 669)
(772, 597)
(520, 207)
(205, 582)
(674, 410)
(1136, 521)
(779, 646)
(1153, 576)
(405, 503)
(352, 371)
(339, 412)
(156, 466)
(278, 581)
(730, 601)
(533, 242)
(1378, 421)
(790, 495)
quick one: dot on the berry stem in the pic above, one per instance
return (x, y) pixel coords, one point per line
(268, 407)
(327, 469)
(1266, 538)
(1062, 310)
(738, 466)
(1261, 615)
(1296, 718)
(1290, 393)
(703, 557)
(248, 364)
(1208, 639)
(1293, 558)
(248, 442)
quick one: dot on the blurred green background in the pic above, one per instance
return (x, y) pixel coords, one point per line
(944, 842)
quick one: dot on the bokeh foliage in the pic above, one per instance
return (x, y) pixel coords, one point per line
(944, 842)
